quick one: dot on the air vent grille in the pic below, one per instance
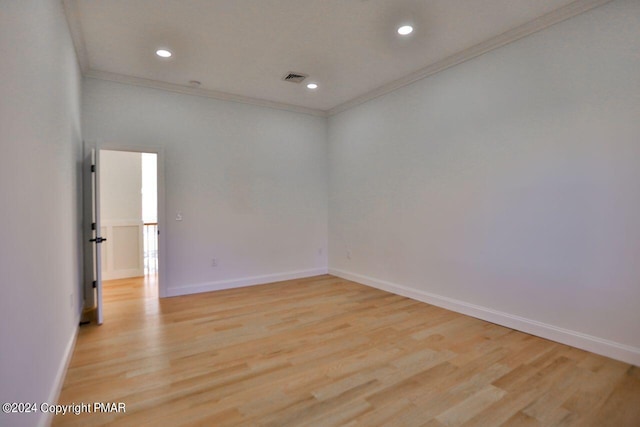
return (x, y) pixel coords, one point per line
(294, 77)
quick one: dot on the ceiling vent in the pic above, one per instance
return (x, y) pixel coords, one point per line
(294, 77)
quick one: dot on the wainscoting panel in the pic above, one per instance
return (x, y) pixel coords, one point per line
(122, 253)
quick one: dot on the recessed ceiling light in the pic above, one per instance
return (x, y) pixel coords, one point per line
(312, 86)
(405, 30)
(163, 53)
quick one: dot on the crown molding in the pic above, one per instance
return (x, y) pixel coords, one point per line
(207, 93)
(569, 11)
(572, 9)
(77, 35)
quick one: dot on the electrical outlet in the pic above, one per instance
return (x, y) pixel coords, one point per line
(319, 251)
(349, 254)
(71, 300)
(214, 262)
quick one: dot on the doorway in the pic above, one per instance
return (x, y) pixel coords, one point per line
(129, 222)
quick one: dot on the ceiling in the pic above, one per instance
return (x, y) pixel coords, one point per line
(241, 49)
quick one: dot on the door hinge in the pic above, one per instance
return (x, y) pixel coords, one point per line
(94, 284)
(93, 168)
(93, 225)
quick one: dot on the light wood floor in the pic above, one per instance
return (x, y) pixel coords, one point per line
(325, 351)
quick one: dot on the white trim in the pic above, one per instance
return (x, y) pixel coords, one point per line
(615, 350)
(47, 418)
(569, 11)
(143, 148)
(244, 281)
(207, 93)
(77, 35)
(122, 274)
(572, 9)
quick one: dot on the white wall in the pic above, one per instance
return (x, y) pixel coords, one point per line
(250, 182)
(40, 220)
(508, 186)
(120, 185)
(121, 214)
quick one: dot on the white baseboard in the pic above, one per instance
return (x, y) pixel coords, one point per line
(244, 281)
(614, 350)
(47, 418)
(122, 274)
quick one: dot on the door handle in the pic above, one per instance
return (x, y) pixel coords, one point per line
(98, 240)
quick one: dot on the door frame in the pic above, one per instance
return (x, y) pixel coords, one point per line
(159, 151)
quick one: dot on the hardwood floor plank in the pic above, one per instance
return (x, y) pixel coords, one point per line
(458, 414)
(324, 351)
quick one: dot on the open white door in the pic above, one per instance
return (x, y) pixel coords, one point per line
(93, 253)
